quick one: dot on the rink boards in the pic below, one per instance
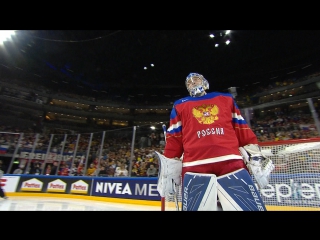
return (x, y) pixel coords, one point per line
(297, 192)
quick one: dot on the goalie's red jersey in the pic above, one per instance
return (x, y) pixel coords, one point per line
(208, 132)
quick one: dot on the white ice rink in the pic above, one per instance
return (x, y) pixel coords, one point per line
(29, 203)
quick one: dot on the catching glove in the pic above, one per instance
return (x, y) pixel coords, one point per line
(259, 165)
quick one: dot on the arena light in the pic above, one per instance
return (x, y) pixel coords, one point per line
(6, 35)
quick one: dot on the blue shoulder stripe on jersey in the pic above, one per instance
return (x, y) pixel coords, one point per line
(173, 113)
(207, 96)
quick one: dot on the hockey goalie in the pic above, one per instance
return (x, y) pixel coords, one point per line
(220, 153)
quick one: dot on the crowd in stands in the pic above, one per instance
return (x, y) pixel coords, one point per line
(248, 96)
(113, 162)
(285, 127)
(115, 158)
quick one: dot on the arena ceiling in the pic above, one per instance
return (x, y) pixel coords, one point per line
(110, 63)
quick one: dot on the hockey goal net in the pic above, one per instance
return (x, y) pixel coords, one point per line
(295, 182)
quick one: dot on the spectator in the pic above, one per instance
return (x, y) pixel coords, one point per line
(152, 171)
(91, 170)
(111, 168)
(121, 171)
(143, 169)
(54, 168)
(102, 172)
(19, 170)
(65, 170)
(80, 170)
(36, 170)
(48, 169)
(135, 171)
(74, 170)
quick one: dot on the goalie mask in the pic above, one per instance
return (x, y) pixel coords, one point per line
(196, 84)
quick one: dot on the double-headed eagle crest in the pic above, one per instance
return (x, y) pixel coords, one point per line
(206, 113)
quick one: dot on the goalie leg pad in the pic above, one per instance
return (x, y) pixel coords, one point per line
(237, 192)
(199, 192)
(169, 175)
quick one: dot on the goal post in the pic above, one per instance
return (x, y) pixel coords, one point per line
(294, 184)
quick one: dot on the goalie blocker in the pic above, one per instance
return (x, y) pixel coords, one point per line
(236, 192)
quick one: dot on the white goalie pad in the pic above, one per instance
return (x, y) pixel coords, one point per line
(169, 175)
(237, 192)
(199, 192)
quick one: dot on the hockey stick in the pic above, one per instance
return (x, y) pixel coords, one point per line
(164, 128)
(163, 199)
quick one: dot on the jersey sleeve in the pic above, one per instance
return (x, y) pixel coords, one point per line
(173, 147)
(244, 133)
